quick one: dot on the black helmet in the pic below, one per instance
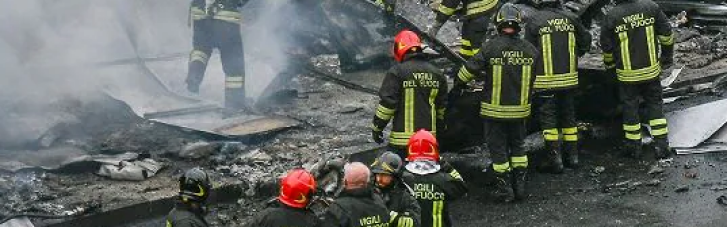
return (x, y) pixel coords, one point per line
(194, 185)
(549, 3)
(508, 16)
(387, 163)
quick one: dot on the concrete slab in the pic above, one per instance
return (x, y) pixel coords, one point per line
(692, 126)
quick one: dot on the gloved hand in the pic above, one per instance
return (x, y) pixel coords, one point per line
(434, 29)
(377, 136)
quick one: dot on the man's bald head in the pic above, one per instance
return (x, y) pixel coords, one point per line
(356, 175)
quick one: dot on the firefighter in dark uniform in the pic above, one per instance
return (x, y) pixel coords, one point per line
(404, 210)
(508, 63)
(474, 27)
(357, 205)
(296, 190)
(561, 39)
(216, 24)
(637, 41)
(413, 93)
(435, 182)
(194, 188)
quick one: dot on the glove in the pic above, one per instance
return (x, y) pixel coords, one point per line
(377, 136)
(434, 29)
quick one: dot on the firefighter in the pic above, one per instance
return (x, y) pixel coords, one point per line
(561, 39)
(508, 63)
(194, 188)
(216, 24)
(296, 189)
(474, 27)
(403, 208)
(357, 205)
(637, 42)
(435, 182)
(413, 93)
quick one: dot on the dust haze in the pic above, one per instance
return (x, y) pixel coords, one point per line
(52, 53)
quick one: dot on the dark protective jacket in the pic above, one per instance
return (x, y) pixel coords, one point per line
(225, 10)
(183, 215)
(561, 39)
(404, 209)
(630, 38)
(284, 216)
(472, 8)
(506, 65)
(357, 208)
(414, 94)
(434, 192)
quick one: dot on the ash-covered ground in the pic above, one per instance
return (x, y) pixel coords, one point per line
(608, 190)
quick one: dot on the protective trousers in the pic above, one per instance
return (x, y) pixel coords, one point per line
(505, 141)
(650, 93)
(557, 116)
(473, 35)
(225, 36)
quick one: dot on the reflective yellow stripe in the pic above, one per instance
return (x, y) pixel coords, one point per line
(551, 134)
(501, 168)
(655, 122)
(466, 42)
(197, 14)
(639, 74)
(556, 80)
(625, 54)
(409, 110)
(455, 174)
(635, 127)
(198, 55)
(525, 85)
(234, 81)
(572, 52)
(433, 107)
(440, 112)
(519, 161)
(466, 52)
(437, 207)
(633, 135)
(475, 51)
(465, 75)
(547, 55)
(608, 58)
(446, 10)
(169, 224)
(570, 138)
(651, 44)
(504, 111)
(400, 138)
(229, 16)
(480, 6)
(496, 84)
(666, 40)
(659, 132)
(384, 113)
(571, 130)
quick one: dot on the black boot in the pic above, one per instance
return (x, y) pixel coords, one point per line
(553, 161)
(632, 148)
(503, 188)
(519, 178)
(570, 159)
(662, 148)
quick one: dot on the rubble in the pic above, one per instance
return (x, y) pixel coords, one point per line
(682, 189)
(199, 149)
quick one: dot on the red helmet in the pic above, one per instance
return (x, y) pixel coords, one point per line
(404, 42)
(296, 188)
(423, 146)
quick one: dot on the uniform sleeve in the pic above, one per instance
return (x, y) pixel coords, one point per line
(665, 34)
(583, 37)
(472, 68)
(607, 43)
(454, 186)
(441, 100)
(446, 9)
(389, 93)
(412, 208)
